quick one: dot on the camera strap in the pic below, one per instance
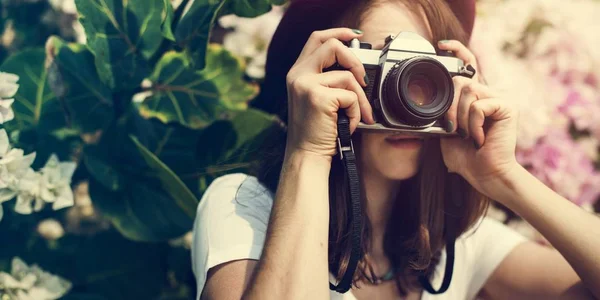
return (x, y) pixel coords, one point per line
(347, 155)
(346, 152)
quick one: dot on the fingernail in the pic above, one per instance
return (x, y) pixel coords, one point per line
(366, 79)
(357, 31)
(449, 126)
(476, 145)
(444, 41)
(462, 133)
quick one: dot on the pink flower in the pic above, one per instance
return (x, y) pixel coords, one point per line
(563, 165)
(580, 110)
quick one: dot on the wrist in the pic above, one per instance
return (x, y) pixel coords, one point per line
(502, 188)
(300, 156)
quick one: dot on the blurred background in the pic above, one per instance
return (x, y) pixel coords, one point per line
(116, 115)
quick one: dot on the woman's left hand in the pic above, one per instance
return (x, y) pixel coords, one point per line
(484, 153)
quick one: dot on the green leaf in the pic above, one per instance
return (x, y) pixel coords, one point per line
(249, 8)
(167, 22)
(192, 32)
(122, 34)
(74, 81)
(142, 196)
(169, 181)
(232, 146)
(142, 211)
(35, 105)
(198, 98)
(99, 163)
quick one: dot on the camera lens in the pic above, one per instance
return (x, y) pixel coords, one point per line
(421, 90)
(418, 91)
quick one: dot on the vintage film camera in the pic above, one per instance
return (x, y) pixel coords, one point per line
(410, 85)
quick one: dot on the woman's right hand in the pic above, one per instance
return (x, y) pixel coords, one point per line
(314, 96)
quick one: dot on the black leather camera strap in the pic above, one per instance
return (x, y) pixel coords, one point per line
(347, 155)
(346, 152)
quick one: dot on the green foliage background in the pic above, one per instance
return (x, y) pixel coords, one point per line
(147, 164)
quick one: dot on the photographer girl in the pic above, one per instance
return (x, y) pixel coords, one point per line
(434, 147)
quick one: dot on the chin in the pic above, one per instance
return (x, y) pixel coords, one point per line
(393, 156)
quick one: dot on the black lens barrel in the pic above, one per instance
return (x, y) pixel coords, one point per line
(418, 91)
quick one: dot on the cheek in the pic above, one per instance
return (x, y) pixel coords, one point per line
(379, 158)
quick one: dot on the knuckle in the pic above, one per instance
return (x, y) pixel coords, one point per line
(333, 44)
(290, 78)
(316, 35)
(468, 88)
(299, 84)
(349, 78)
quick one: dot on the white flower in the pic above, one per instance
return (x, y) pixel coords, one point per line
(66, 6)
(50, 229)
(184, 241)
(8, 85)
(251, 37)
(8, 89)
(29, 190)
(13, 166)
(27, 282)
(56, 182)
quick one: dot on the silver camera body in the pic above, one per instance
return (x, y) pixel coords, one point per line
(410, 85)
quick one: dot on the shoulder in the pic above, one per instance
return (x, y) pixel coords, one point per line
(231, 223)
(233, 190)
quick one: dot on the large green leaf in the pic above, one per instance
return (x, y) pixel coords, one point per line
(122, 34)
(143, 197)
(74, 81)
(197, 98)
(143, 211)
(169, 181)
(193, 30)
(35, 105)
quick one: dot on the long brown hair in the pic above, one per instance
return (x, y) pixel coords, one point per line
(435, 204)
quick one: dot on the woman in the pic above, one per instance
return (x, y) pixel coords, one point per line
(282, 235)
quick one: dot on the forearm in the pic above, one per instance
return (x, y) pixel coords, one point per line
(574, 232)
(294, 262)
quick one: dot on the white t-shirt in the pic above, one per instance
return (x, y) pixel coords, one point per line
(233, 215)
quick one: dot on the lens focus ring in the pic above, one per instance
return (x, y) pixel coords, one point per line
(417, 91)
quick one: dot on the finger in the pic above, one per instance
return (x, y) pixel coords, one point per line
(460, 51)
(468, 95)
(317, 38)
(451, 114)
(331, 52)
(346, 80)
(348, 101)
(492, 108)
